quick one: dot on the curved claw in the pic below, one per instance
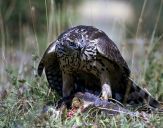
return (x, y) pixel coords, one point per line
(113, 100)
(116, 101)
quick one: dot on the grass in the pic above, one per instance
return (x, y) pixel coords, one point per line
(21, 103)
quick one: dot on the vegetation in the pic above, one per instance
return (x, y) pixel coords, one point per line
(26, 26)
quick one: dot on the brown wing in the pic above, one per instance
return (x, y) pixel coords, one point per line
(45, 57)
(107, 48)
(50, 63)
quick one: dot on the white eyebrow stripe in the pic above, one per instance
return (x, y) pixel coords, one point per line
(52, 49)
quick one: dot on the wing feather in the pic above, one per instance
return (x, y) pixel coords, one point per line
(107, 48)
(54, 77)
(50, 63)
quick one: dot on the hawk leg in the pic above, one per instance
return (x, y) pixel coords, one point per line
(105, 85)
(106, 91)
(68, 84)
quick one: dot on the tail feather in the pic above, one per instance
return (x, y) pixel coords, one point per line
(138, 95)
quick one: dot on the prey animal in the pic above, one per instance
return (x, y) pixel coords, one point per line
(85, 53)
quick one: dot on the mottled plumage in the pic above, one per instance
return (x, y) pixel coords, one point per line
(85, 58)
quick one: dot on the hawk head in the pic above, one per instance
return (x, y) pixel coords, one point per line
(72, 46)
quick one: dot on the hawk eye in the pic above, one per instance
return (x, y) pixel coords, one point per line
(72, 44)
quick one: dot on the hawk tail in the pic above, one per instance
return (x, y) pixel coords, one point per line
(136, 94)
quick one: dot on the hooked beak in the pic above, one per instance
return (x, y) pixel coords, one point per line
(81, 48)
